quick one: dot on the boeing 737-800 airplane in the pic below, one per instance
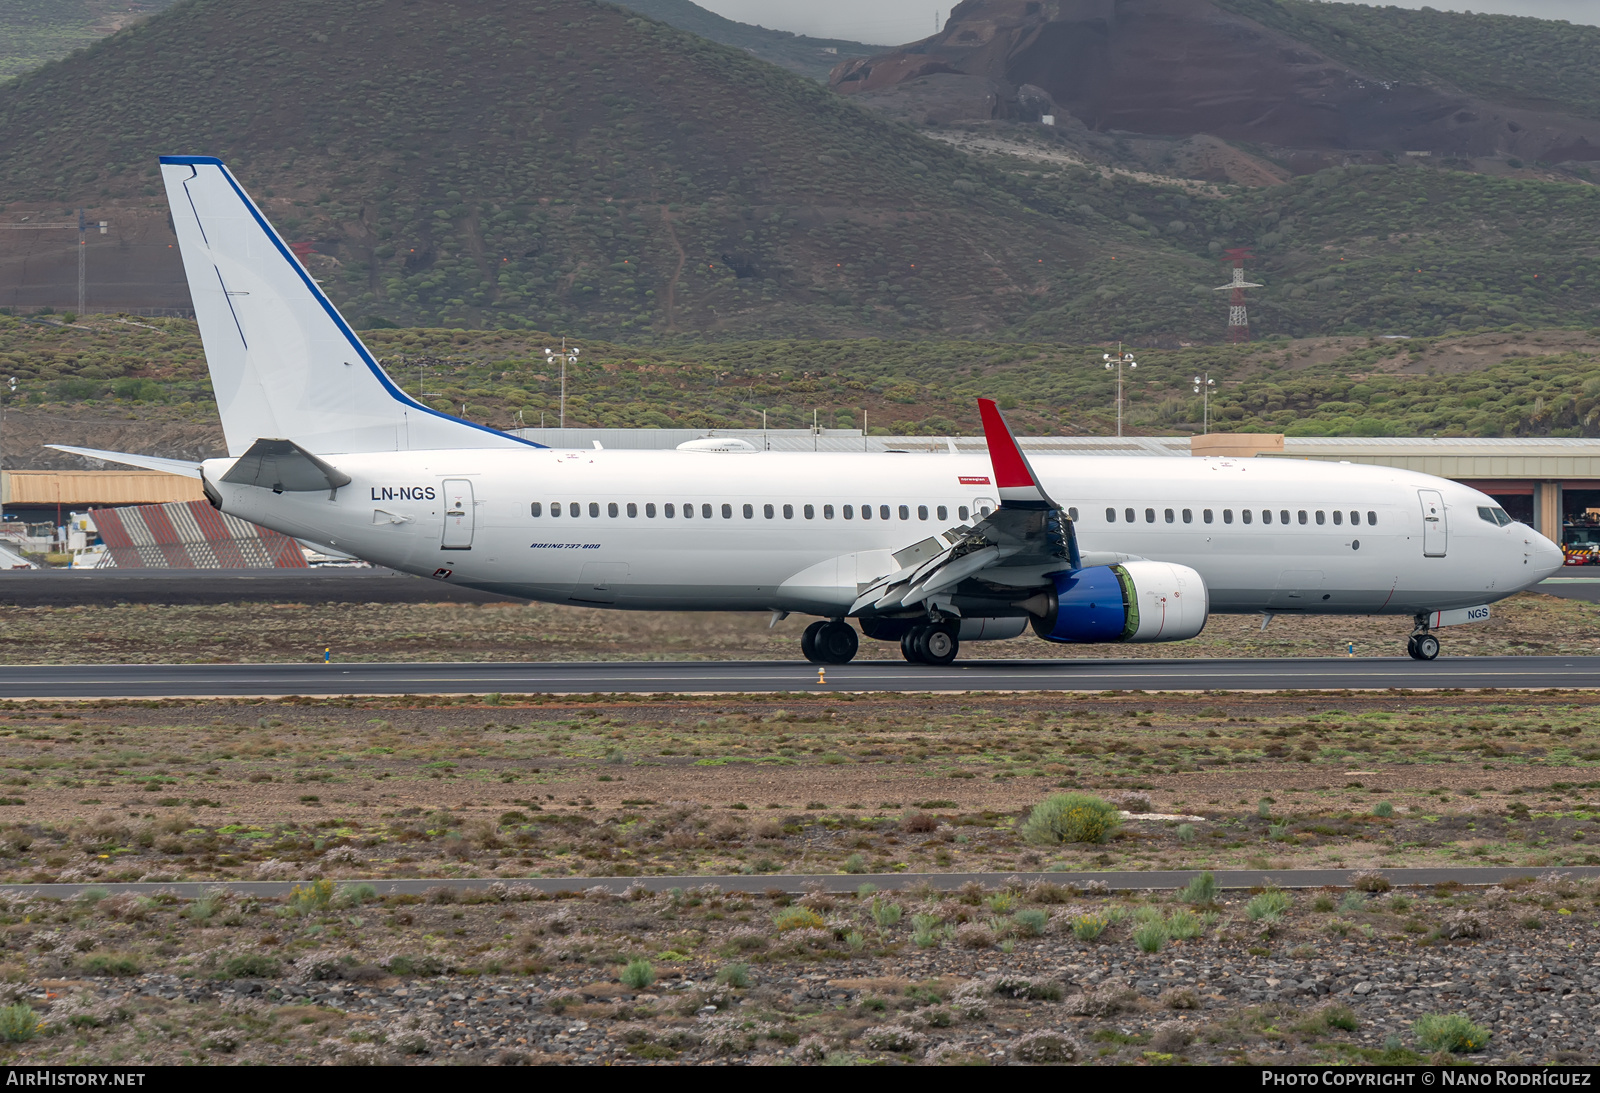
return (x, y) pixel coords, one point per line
(927, 550)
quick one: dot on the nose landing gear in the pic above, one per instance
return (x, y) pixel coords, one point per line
(829, 642)
(930, 644)
(1422, 646)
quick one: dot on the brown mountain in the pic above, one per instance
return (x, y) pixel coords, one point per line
(1186, 67)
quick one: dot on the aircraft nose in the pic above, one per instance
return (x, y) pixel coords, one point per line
(1545, 558)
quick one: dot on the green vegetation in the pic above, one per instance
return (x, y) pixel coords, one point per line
(1071, 818)
(18, 1023)
(638, 974)
(1454, 1032)
(1202, 889)
(1538, 63)
(796, 918)
(1150, 936)
(33, 32)
(1269, 906)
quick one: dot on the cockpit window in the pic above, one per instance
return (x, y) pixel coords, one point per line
(1496, 516)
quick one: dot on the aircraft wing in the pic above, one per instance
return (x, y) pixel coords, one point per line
(185, 467)
(1028, 536)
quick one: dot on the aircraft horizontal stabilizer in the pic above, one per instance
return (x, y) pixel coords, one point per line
(282, 466)
(186, 468)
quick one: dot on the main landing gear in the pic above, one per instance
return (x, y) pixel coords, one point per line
(930, 643)
(831, 642)
(1422, 645)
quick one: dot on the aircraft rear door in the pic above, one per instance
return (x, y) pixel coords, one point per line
(1435, 530)
(458, 518)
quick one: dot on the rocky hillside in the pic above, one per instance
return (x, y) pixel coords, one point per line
(567, 165)
(1322, 80)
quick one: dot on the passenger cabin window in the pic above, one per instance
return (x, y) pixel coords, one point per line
(1266, 516)
(1206, 515)
(810, 512)
(727, 511)
(1283, 516)
(594, 508)
(1244, 514)
(1227, 516)
(961, 514)
(1111, 516)
(1149, 516)
(1372, 518)
(905, 513)
(883, 512)
(650, 510)
(1168, 516)
(1355, 517)
(611, 510)
(788, 512)
(1072, 514)
(749, 512)
(1302, 516)
(1128, 515)
(866, 512)
(1321, 517)
(667, 510)
(922, 512)
(848, 512)
(942, 511)
(633, 511)
(537, 509)
(705, 511)
(572, 508)
(768, 511)
(1338, 517)
(827, 512)
(688, 510)
(1188, 516)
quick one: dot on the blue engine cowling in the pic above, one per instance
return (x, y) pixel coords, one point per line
(1135, 602)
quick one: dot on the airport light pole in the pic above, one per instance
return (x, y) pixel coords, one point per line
(1203, 384)
(566, 357)
(1117, 360)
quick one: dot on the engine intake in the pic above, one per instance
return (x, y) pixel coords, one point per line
(1134, 601)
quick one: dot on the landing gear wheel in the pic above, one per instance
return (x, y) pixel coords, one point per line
(1423, 647)
(908, 646)
(936, 644)
(808, 642)
(834, 643)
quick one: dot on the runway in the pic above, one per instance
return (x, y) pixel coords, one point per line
(91, 681)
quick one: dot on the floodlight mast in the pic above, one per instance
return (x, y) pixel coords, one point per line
(566, 357)
(1118, 359)
(1203, 384)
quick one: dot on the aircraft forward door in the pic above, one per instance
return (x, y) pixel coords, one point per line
(1435, 529)
(458, 515)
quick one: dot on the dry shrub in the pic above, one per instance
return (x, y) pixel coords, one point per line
(1112, 996)
(1180, 998)
(974, 935)
(893, 1038)
(440, 893)
(1132, 801)
(1047, 1046)
(1171, 1037)
(915, 822)
(1369, 880)
(1466, 924)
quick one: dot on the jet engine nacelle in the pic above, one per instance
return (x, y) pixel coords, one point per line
(1133, 601)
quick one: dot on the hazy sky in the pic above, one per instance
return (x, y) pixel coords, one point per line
(891, 22)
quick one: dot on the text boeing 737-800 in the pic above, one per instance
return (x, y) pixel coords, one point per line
(929, 551)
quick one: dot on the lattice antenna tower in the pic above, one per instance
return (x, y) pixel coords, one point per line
(1238, 316)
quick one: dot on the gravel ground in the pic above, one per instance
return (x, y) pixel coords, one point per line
(1336, 976)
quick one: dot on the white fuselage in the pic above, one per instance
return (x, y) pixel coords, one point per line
(623, 550)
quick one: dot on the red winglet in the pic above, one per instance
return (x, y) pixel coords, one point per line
(1018, 484)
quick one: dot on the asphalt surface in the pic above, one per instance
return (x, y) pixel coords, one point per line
(1229, 879)
(1574, 587)
(69, 587)
(90, 681)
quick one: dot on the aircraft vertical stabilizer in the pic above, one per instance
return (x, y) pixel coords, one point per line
(284, 363)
